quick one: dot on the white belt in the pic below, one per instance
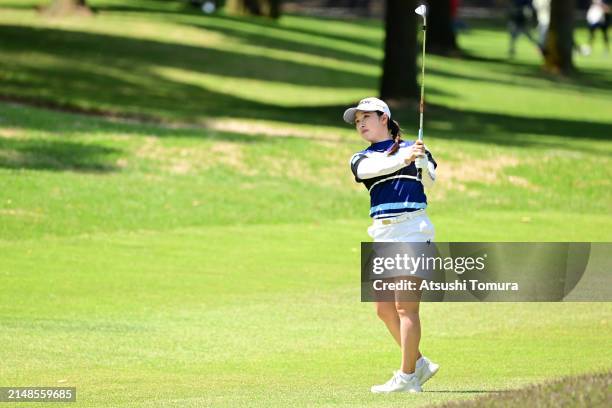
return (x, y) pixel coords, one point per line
(400, 218)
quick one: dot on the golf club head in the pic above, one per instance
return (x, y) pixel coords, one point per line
(421, 10)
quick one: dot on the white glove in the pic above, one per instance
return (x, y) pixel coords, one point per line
(421, 162)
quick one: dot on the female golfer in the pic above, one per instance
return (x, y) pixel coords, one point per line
(395, 173)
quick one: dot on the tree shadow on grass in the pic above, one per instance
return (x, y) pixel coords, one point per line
(584, 79)
(448, 74)
(260, 31)
(140, 56)
(152, 6)
(374, 40)
(57, 156)
(109, 75)
(356, 39)
(176, 13)
(315, 46)
(483, 124)
(516, 131)
(469, 126)
(75, 123)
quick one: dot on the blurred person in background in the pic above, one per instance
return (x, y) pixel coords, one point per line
(542, 9)
(598, 16)
(520, 17)
(458, 24)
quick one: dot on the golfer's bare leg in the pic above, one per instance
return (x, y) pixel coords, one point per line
(407, 307)
(410, 334)
(388, 314)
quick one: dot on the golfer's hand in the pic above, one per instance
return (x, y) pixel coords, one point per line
(417, 150)
(421, 162)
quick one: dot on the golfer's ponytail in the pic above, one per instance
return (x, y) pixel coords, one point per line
(396, 133)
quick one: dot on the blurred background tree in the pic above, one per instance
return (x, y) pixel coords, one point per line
(399, 65)
(441, 37)
(560, 38)
(266, 8)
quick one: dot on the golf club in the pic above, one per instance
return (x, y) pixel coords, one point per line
(422, 11)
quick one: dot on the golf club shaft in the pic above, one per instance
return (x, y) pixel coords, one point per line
(422, 102)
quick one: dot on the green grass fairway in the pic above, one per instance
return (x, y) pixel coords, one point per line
(225, 316)
(189, 235)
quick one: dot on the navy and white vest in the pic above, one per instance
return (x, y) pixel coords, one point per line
(396, 193)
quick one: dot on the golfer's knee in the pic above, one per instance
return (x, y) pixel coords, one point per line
(407, 309)
(386, 312)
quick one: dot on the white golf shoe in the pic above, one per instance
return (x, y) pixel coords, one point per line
(400, 382)
(425, 369)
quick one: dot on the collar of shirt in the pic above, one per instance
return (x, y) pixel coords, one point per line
(381, 146)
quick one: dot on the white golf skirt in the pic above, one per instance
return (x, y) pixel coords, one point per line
(410, 227)
(417, 227)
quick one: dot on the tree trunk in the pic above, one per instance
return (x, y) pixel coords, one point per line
(560, 38)
(266, 8)
(242, 7)
(399, 66)
(440, 34)
(271, 8)
(67, 7)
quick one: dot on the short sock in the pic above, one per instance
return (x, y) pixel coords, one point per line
(404, 375)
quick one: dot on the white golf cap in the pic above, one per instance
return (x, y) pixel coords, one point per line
(366, 105)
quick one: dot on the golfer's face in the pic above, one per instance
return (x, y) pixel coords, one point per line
(370, 126)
